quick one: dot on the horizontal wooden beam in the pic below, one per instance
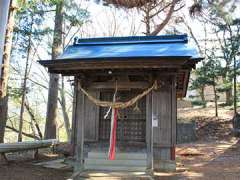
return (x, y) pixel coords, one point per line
(120, 85)
(126, 64)
(131, 72)
(157, 145)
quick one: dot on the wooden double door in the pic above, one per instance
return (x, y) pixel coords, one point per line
(131, 122)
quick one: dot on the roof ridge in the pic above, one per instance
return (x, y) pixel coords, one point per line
(132, 39)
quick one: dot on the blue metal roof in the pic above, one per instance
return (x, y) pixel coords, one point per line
(130, 47)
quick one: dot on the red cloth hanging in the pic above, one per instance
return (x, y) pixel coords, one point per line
(112, 148)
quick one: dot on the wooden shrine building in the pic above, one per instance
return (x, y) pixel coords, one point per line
(158, 66)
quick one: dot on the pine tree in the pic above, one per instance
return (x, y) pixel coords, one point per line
(50, 127)
(28, 29)
(5, 71)
(68, 15)
(226, 27)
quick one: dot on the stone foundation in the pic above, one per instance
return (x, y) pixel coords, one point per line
(164, 165)
(186, 132)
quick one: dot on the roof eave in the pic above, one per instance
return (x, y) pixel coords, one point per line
(46, 63)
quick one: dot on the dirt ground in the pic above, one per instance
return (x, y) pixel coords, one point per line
(21, 167)
(212, 160)
(216, 155)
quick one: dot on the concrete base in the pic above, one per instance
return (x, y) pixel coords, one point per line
(164, 166)
(112, 175)
(122, 162)
(236, 132)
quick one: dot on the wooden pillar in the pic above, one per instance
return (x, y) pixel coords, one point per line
(73, 133)
(164, 128)
(79, 120)
(174, 118)
(149, 134)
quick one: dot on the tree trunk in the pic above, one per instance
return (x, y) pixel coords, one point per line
(64, 111)
(202, 95)
(3, 115)
(5, 72)
(24, 88)
(235, 87)
(50, 127)
(229, 97)
(4, 10)
(215, 99)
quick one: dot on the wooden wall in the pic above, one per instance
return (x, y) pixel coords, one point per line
(91, 115)
(160, 123)
(84, 123)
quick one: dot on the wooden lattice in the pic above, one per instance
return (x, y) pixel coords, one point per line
(131, 124)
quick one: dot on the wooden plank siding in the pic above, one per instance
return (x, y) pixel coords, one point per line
(149, 133)
(91, 117)
(164, 135)
(174, 110)
(91, 113)
(162, 112)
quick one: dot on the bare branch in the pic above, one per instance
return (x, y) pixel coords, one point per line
(29, 110)
(23, 133)
(160, 10)
(193, 36)
(166, 20)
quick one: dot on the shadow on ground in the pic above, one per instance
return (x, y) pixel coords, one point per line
(214, 161)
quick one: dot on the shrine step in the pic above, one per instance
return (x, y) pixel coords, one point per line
(102, 155)
(115, 162)
(114, 168)
(122, 162)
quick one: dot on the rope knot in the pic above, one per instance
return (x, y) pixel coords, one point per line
(155, 85)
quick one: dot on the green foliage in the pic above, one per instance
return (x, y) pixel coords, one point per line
(207, 73)
(15, 93)
(29, 22)
(74, 14)
(224, 87)
(35, 19)
(222, 16)
(199, 103)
